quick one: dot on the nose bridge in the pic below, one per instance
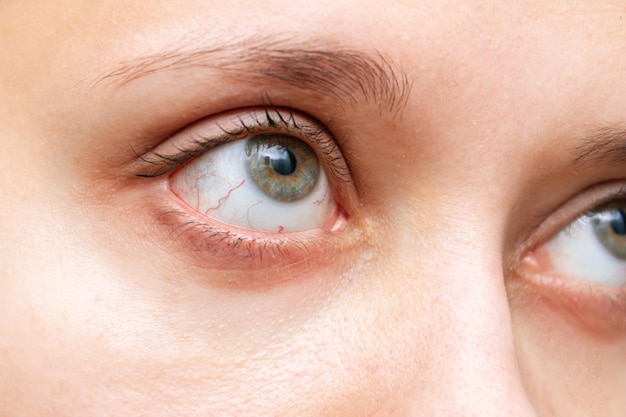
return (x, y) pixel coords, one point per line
(477, 371)
(471, 366)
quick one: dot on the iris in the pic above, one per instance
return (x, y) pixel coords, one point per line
(284, 167)
(609, 227)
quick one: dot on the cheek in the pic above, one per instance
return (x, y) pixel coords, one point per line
(559, 362)
(96, 334)
(114, 328)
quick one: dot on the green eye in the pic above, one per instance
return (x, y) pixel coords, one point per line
(262, 174)
(283, 167)
(609, 227)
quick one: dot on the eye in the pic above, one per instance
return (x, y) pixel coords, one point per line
(269, 170)
(592, 247)
(269, 182)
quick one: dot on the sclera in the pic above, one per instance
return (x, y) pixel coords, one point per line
(218, 185)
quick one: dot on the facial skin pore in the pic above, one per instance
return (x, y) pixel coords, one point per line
(468, 135)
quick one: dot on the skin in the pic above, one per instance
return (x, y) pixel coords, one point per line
(428, 300)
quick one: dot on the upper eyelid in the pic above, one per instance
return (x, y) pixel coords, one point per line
(584, 203)
(267, 119)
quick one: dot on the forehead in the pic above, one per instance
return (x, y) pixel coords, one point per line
(417, 27)
(421, 35)
(441, 45)
(488, 76)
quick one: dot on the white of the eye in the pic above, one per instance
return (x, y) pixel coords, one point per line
(576, 251)
(218, 185)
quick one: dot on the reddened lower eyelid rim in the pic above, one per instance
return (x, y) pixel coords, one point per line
(216, 247)
(600, 310)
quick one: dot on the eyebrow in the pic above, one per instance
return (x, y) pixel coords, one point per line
(605, 145)
(346, 75)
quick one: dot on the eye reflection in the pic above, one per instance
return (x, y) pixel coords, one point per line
(284, 168)
(268, 182)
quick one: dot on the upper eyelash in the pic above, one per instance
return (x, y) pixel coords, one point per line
(275, 118)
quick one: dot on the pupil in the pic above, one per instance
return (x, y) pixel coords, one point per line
(618, 223)
(282, 160)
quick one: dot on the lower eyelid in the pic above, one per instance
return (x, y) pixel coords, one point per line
(221, 249)
(600, 310)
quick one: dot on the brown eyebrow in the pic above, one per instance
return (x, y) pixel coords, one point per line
(346, 75)
(605, 145)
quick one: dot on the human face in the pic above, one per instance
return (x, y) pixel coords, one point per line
(425, 279)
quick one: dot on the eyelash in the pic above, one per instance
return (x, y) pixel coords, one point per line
(227, 250)
(276, 120)
(228, 247)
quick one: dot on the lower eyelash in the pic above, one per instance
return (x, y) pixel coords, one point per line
(229, 250)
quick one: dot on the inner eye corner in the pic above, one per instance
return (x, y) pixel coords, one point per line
(590, 248)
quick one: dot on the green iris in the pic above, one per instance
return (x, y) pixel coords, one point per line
(283, 167)
(609, 226)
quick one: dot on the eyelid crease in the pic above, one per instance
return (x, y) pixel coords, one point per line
(264, 120)
(601, 203)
